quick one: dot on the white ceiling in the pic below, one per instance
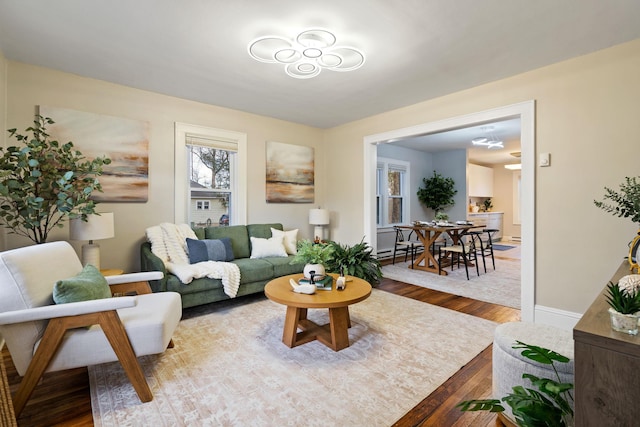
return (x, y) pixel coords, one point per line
(507, 131)
(416, 49)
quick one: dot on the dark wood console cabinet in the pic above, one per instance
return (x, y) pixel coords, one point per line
(607, 368)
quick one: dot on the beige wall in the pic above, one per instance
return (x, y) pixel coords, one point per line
(586, 117)
(30, 86)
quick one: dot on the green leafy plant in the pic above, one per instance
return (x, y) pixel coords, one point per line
(357, 260)
(309, 252)
(437, 192)
(44, 182)
(625, 203)
(549, 405)
(487, 204)
(441, 216)
(621, 300)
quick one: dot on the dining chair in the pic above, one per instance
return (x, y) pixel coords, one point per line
(464, 250)
(487, 246)
(407, 245)
(83, 328)
(484, 246)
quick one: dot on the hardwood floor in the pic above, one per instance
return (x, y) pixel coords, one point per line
(62, 398)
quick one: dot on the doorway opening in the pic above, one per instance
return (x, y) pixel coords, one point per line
(526, 112)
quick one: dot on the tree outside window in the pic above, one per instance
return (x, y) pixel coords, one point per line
(210, 175)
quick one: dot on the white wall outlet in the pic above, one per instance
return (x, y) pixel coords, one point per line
(545, 160)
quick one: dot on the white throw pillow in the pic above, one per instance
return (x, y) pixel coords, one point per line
(290, 239)
(262, 248)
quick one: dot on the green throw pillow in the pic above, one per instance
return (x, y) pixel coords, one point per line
(87, 285)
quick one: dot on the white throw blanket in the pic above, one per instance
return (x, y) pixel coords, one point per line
(169, 243)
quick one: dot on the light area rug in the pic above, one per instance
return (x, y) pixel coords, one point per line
(229, 367)
(501, 286)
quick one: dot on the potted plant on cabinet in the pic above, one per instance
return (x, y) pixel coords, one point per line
(624, 299)
(44, 182)
(437, 192)
(625, 204)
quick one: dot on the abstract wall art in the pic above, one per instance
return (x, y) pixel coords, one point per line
(124, 141)
(290, 173)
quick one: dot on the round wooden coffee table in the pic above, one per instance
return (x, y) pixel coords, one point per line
(334, 335)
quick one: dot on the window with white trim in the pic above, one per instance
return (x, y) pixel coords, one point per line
(211, 166)
(209, 176)
(203, 205)
(392, 201)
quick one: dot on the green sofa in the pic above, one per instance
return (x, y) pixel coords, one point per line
(254, 273)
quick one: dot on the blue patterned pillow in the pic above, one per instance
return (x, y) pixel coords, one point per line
(210, 250)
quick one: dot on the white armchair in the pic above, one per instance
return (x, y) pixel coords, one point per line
(42, 336)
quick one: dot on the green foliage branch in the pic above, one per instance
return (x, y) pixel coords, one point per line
(309, 252)
(549, 405)
(625, 203)
(357, 260)
(437, 192)
(44, 182)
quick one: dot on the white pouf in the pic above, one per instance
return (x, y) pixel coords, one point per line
(509, 365)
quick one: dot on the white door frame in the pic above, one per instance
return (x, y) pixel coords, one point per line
(526, 112)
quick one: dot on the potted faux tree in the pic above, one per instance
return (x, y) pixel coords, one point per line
(437, 192)
(625, 204)
(43, 182)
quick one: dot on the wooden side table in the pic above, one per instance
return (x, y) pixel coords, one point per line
(607, 367)
(135, 288)
(111, 271)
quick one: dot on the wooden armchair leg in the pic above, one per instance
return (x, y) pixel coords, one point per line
(48, 345)
(114, 330)
(117, 336)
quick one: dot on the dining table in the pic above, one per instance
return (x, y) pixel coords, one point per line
(428, 234)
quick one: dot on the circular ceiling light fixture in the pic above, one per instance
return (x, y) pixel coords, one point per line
(307, 54)
(491, 142)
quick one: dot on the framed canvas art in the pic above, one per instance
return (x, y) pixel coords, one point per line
(290, 173)
(124, 141)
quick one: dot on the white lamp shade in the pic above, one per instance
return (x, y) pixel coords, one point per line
(319, 217)
(97, 227)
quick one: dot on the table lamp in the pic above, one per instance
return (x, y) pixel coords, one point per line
(96, 227)
(319, 218)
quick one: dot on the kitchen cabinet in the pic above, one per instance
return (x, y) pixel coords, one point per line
(480, 181)
(492, 220)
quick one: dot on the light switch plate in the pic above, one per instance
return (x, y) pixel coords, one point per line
(545, 160)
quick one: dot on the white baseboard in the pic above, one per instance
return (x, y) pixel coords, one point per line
(555, 317)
